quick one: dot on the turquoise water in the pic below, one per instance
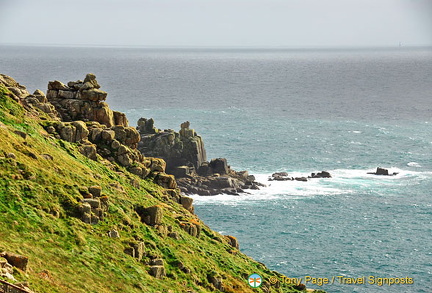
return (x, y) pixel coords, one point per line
(354, 224)
(344, 111)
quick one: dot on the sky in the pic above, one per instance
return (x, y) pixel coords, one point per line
(217, 23)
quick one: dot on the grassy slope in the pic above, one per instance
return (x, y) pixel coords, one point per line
(38, 205)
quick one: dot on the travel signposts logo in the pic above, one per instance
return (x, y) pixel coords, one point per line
(255, 280)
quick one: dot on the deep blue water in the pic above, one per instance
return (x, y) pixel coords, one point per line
(345, 111)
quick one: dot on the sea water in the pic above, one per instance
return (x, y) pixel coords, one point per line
(346, 111)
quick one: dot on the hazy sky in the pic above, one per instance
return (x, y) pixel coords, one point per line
(261, 23)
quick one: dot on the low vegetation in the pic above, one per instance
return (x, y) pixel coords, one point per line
(43, 182)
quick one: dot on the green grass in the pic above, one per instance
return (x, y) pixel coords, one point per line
(39, 200)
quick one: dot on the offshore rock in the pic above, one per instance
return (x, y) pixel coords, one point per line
(384, 172)
(322, 174)
(280, 176)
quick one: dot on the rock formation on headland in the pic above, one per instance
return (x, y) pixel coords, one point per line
(186, 158)
(85, 118)
(83, 101)
(78, 192)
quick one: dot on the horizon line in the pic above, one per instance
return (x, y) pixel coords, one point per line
(215, 46)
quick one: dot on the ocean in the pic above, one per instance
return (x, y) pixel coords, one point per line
(346, 111)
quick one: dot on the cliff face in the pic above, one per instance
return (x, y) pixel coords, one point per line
(179, 149)
(82, 210)
(186, 158)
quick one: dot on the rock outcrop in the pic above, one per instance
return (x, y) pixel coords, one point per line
(78, 114)
(103, 133)
(184, 149)
(186, 159)
(382, 171)
(34, 103)
(83, 101)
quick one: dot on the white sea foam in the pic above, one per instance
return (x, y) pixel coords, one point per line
(343, 181)
(414, 164)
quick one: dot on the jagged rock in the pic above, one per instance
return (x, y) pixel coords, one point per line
(219, 166)
(322, 174)
(89, 150)
(66, 94)
(232, 241)
(108, 135)
(205, 170)
(73, 132)
(94, 95)
(304, 179)
(33, 103)
(136, 170)
(382, 171)
(85, 208)
(182, 171)
(124, 160)
(157, 271)
(165, 180)
(223, 182)
(38, 94)
(216, 281)
(279, 176)
(176, 149)
(83, 101)
(95, 190)
(113, 233)
(151, 216)
(146, 126)
(101, 113)
(16, 260)
(174, 235)
(127, 135)
(120, 119)
(95, 135)
(193, 228)
(187, 202)
(93, 202)
(81, 130)
(90, 82)
(115, 144)
(129, 251)
(157, 262)
(185, 125)
(57, 85)
(86, 218)
(139, 250)
(157, 165)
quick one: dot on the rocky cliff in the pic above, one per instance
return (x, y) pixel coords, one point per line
(82, 210)
(186, 158)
